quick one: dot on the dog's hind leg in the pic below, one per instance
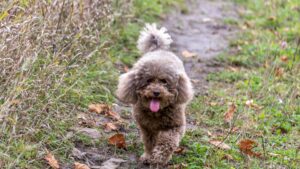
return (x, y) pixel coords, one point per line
(167, 142)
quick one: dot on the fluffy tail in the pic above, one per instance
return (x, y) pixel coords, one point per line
(152, 38)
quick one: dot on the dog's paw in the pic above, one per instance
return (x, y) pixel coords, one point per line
(145, 158)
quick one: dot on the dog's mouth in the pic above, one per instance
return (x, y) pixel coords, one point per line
(154, 105)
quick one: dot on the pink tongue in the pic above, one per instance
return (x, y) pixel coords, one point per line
(154, 105)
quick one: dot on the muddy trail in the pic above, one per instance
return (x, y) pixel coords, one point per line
(202, 32)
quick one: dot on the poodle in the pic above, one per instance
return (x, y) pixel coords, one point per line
(159, 89)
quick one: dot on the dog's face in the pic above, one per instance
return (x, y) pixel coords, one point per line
(155, 86)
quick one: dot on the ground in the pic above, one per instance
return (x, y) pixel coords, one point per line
(242, 56)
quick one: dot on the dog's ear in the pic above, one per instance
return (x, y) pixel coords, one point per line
(126, 91)
(184, 89)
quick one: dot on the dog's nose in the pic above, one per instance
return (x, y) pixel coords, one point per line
(156, 93)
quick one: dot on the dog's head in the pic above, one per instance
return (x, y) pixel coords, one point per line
(155, 86)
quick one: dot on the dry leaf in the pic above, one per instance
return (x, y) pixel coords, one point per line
(80, 166)
(113, 115)
(284, 58)
(15, 102)
(209, 133)
(220, 144)
(179, 150)
(234, 69)
(188, 54)
(99, 108)
(250, 103)
(246, 147)
(229, 113)
(51, 161)
(279, 71)
(227, 157)
(117, 140)
(110, 127)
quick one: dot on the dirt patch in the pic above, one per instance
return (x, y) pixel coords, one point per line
(204, 30)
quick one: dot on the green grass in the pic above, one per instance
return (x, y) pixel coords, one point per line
(62, 72)
(80, 67)
(251, 75)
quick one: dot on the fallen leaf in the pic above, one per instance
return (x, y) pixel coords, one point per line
(80, 166)
(209, 133)
(251, 104)
(15, 102)
(229, 113)
(188, 54)
(284, 58)
(246, 147)
(234, 69)
(51, 160)
(227, 157)
(179, 150)
(220, 144)
(99, 108)
(117, 140)
(113, 115)
(279, 71)
(110, 126)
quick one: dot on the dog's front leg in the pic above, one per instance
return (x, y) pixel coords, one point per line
(167, 142)
(149, 139)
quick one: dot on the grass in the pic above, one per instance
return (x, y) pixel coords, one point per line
(54, 63)
(264, 68)
(58, 57)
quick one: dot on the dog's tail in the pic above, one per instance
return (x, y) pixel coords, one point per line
(152, 38)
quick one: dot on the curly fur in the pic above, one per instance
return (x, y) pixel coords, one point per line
(157, 71)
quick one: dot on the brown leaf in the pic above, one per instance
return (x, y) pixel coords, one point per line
(220, 144)
(251, 104)
(227, 157)
(279, 71)
(15, 102)
(179, 150)
(246, 147)
(284, 58)
(80, 166)
(110, 126)
(113, 115)
(117, 140)
(99, 108)
(229, 113)
(51, 161)
(188, 54)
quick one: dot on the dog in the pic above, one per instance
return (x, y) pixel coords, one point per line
(159, 89)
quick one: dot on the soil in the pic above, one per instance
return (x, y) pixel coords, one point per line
(203, 31)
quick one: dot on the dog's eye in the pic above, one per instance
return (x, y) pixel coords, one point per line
(149, 80)
(164, 81)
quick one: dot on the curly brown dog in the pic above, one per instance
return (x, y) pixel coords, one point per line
(159, 90)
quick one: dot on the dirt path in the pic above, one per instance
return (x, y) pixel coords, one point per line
(203, 30)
